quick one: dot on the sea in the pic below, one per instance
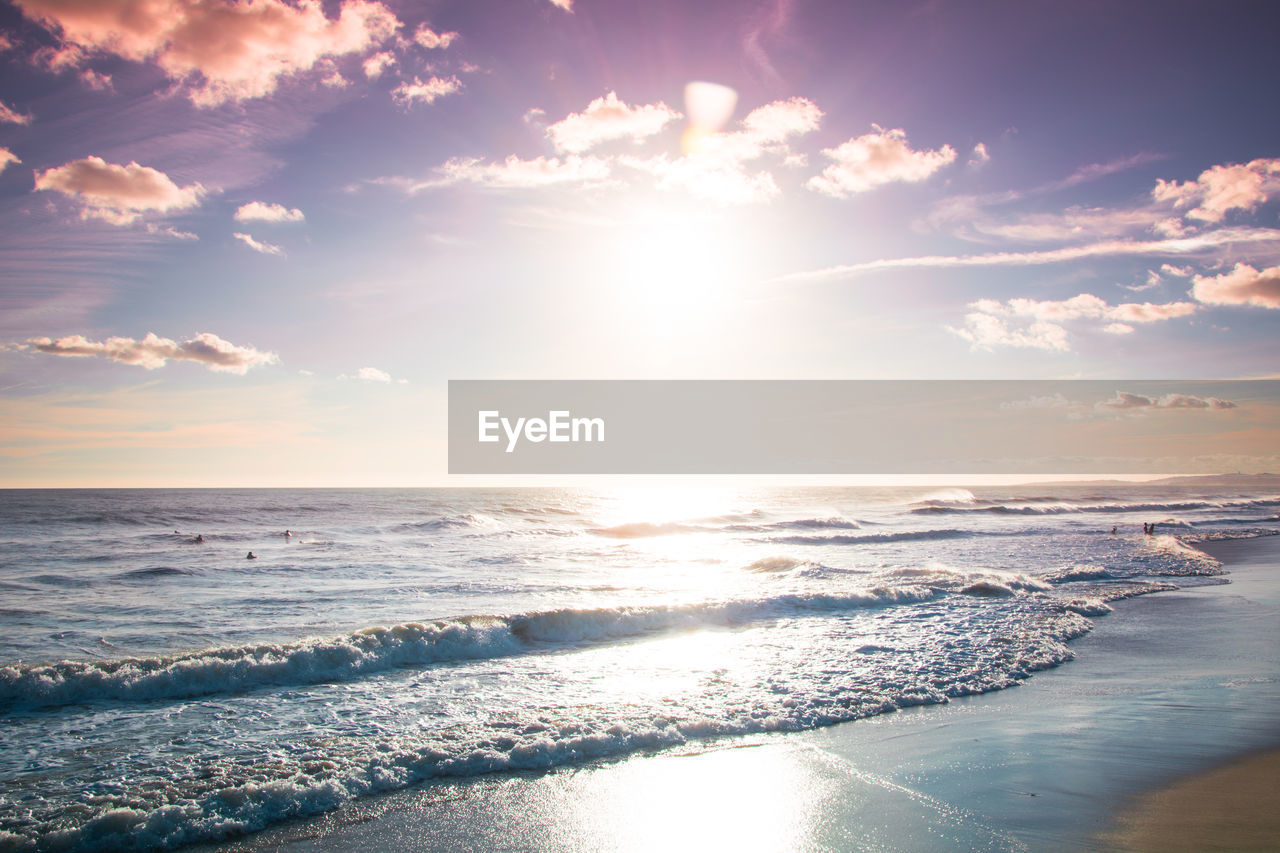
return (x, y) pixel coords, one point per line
(160, 688)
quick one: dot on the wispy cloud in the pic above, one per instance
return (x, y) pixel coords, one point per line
(513, 173)
(7, 157)
(425, 92)
(1107, 248)
(8, 115)
(222, 50)
(259, 211)
(259, 246)
(153, 352)
(875, 159)
(567, 5)
(118, 194)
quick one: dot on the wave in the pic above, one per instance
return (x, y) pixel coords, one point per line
(645, 529)
(372, 650)
(872, 538)
(231, 797)
(799, 524)
(1061, 507)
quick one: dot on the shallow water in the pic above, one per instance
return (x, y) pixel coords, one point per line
(162, 691)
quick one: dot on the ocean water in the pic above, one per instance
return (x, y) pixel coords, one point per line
(158, 691)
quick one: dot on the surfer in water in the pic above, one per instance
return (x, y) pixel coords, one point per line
(251, 556)
(200, 538)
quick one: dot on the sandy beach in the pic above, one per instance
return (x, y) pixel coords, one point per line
(1135, 745)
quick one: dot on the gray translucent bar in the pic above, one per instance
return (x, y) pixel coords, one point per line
(674, 427)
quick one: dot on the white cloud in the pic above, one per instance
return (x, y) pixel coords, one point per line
(1244, 285)
(979, 155)
(118, 194)
(514, 173)
(152, 352)
(259, 211)
(376, 64)
(876, 159)
(720, 180)
(606, 119)
(257, 246)
(406, 94)
(986, 332)
(1107, 248)
(373, 374)
(1221, 189)
(989, 326)
(1124, 400)
(430, 39)
(7, 157)
(168, 231)
(567, 5)
(225, 50)
(8, 115)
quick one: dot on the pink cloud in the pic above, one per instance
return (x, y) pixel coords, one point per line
(989, 325)
(153, 352)
(7, 157)
(1244, 285)
(376, 64)
(427, 92)
(1221, 189)
(228, 51)
(118, 194)
(606, 119)
(1126, 400)
(875, 159)
(567, 5)
(8, 115)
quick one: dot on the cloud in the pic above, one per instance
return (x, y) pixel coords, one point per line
(264, 248)
(979, 155)
(8, 115)
(153, 352)
(406, 94)
(715, 167)
(95, 80)
(720, 180)
(373, 374)
(167, 231)
(986, 332)
(606, 119)
(7, 157)
(259, 211)
(1108, 248)
(430, 39)
(876, 159)
(1244, 285)
(118, 194)
(989, 325)
(225, 50)
(376, 64)
(1124, 400)
(1221, 189)
(567, 5)
(1041, 401)
(514, 173)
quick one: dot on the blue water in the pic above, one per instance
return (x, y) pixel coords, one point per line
(157, 690)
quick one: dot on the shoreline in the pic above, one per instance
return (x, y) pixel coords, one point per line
(1158, 693)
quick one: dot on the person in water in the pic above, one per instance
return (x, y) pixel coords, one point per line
(1113, 531)
(199, 537)
(250, 556)
(287, 535)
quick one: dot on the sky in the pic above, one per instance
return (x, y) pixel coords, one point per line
(248, 244)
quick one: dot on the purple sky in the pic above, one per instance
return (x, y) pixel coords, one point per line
(248, 243)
